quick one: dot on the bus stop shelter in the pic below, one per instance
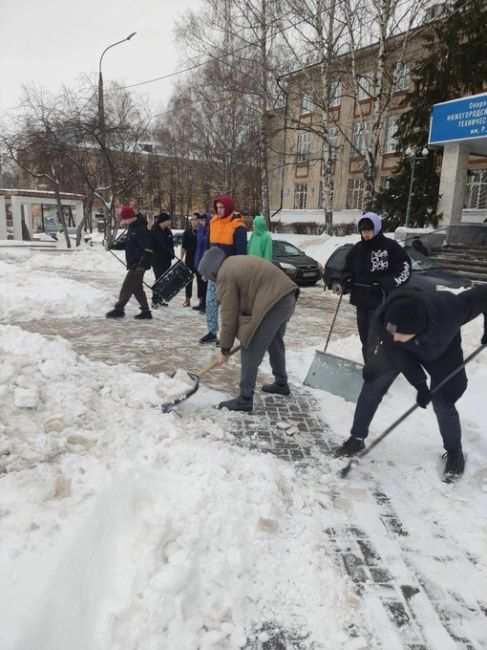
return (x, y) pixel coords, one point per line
(22, 211)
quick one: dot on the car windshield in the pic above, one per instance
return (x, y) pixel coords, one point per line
(284, 249)
(419, 262)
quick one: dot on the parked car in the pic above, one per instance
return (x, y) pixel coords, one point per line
(177, 236)
(424, 271)
(301, 268)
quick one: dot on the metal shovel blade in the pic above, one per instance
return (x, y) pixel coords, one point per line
(336, 375)
(167, 406)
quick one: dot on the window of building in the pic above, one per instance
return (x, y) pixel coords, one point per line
(359, 139)
(476, 190)
(355, 193)
(335, 94)
(365, 86)
(307, 103)
(304, 143)
(402, 77)
(390, 140)
(300, 196)
(333, 141)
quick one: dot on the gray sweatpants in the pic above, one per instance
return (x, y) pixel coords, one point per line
(269, 337)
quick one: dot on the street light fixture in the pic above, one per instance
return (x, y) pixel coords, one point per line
(412, 157)
(101, 105)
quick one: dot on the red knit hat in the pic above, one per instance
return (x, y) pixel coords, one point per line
(127, 213)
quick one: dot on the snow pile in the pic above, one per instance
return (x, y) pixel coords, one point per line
(28, 295)
(125, 528)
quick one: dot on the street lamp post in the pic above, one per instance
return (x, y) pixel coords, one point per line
(412, 158)
(102, 132)
(101, 104)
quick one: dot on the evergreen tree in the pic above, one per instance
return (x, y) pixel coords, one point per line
(456, 66)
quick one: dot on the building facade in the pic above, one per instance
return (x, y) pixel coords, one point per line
(356, 116)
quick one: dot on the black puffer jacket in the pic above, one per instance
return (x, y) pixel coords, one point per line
(163, 245)
(378, 260)
(437, 348)
(137, 244)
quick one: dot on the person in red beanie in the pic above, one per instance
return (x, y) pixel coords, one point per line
(138, 255)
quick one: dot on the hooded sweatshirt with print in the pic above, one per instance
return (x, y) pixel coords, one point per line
(376, 266)
(260, 243)
(228, 232)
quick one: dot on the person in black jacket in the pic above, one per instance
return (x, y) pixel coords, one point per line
(418, 330)
(138, 253)
(374, 267)
(188, 250)
(162, 243)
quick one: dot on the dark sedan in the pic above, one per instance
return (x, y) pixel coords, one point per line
(301, 268)
(425, 272)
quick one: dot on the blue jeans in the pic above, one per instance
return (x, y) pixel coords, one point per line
(212, 308)
(371, 396)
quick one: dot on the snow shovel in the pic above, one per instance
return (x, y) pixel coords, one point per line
(356, 459)
(335, 374)
(167, 406)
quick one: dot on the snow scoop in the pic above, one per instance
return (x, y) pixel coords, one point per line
(335, 374)
(171, 282)
(167, 406)
(356, 459)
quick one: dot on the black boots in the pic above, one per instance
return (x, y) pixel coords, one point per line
(276, 389)
(115, 313)
(238, 404)
(208, 338)
(455, 464)
(144, 315)
(350, 447)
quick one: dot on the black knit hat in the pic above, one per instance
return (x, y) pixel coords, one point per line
(164, 216)
(406, 316)
(365, 224)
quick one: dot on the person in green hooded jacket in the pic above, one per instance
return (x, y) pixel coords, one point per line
(260, 243)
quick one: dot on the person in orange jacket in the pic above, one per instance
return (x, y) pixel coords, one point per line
(229, 234)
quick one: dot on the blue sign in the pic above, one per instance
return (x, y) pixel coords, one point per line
(459, 119)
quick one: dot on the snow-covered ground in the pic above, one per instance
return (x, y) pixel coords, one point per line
(122, 528)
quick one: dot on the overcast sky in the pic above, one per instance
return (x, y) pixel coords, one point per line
(53, 42)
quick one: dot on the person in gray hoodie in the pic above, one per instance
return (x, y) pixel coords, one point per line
(256, 302)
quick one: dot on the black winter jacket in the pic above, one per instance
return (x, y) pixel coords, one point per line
(378, 260)
(137, 244)
(189, 245)
(437, 349)
(163, 245)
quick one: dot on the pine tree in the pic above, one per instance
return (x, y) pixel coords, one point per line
(456, 66)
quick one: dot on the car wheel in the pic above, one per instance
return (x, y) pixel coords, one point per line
(336, 287)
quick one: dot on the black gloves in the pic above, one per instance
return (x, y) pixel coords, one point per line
(347, 285)
(423, 397)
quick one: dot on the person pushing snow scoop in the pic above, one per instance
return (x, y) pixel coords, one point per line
(257, 300)
(414, 331)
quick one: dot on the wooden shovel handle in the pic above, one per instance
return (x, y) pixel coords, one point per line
(214, 363)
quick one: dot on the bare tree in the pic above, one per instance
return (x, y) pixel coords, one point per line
(386, 26)
(58, 139)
